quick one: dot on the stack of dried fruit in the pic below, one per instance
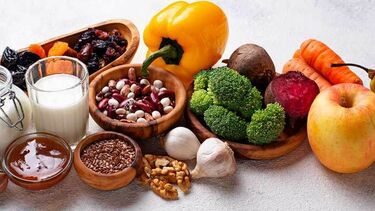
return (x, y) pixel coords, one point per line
(135, 99)
(17, 64)
(160, 172)
(96, 48)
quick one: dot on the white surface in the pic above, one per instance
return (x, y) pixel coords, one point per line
(294, 182)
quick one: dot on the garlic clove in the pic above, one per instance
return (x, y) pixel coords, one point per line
(181, 144)
(214, 159)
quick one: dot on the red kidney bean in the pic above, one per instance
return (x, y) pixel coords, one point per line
(146, 90)
(166, 93)
(137, 91)
(111, 112)
(143, 106)
(103, 104)
(154, 98)
(131, 82)
(118, 97)
(151, 105)
(160, 108)
(114, 90)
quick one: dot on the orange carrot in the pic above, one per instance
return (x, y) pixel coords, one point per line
(298, 64)
(320, 57)
(38, 50)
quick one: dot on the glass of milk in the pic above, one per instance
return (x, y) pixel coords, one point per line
(58, 92)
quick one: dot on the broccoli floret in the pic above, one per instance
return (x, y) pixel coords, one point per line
(200, 101)
(266, 125)
(228, 88)
(225, 123)
(252, 102)
(201, 80)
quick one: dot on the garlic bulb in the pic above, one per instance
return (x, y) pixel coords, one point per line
(181, 144)
(214, 159)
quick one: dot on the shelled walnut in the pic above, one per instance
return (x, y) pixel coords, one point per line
(160, 172)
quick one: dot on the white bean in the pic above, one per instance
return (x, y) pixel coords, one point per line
(120, 84)
(105, 112)
(98, 98)
(163, 89)
(133, 86)
(144, 81)
(141, 120)
(165, 101)
(156, 114)
(113, 102)
(131, 95)
(131, 116)
(120, 111)
(105, 89)
(167, 109)
(140, 113)
(158, 84)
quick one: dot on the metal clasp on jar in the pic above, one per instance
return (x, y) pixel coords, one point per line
(18, 124)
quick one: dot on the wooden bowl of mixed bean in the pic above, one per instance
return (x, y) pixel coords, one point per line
(123, 101)
(107, 160)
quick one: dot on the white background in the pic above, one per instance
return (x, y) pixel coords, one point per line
(294, 182)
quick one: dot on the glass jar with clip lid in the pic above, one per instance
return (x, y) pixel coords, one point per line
(15, 110)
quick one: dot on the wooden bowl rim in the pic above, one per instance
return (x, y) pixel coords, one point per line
(241, 146)
(96, 137)
(94, 110)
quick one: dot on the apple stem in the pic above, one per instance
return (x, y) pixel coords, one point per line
(371, 72)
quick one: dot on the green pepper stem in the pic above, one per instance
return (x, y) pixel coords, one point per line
(166, 51)
(371, 73)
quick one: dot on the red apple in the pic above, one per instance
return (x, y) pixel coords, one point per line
(341, 128)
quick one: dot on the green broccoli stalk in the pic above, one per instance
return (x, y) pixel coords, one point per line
(225, 123)
(266, 125)
(251, 103)
(201, 80)
(228, 88)
(200, 101)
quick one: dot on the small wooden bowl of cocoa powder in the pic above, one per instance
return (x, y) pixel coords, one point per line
(107, 160)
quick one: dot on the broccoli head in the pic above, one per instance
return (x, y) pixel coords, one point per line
(228, 88)
(266, 125)
(251, 103)
(225, 123)
(200, 101)
(201, 80)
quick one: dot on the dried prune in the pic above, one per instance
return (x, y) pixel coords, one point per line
(9, 58)
(26, 58)
(88, 35)
(99, 45)
(93, 63)
(18, 77)
(85, 53)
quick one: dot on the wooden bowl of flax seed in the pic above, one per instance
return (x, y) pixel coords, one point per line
(107, 160)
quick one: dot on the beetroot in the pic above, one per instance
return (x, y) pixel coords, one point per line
(294, 91)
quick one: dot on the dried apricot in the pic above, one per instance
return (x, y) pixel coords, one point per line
(38, 50)
(58, 49)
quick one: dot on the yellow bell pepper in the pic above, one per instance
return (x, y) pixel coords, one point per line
(185, 38)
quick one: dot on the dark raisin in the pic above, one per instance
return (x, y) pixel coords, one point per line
(110, 52)
(9, 58)
(88, 36)
(26, 58)
(85, 53)
(18, 77)
(93, 63)
(99, 45)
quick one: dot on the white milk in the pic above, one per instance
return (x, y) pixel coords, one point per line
(8, 134)
(64, 113)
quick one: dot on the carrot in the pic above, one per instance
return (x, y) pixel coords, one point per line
(298, 64)
(38, 50)
(320, 57)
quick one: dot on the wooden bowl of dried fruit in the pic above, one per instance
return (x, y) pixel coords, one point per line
(286, 142)
(107, 160)
(123, 101)
(100, 46)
